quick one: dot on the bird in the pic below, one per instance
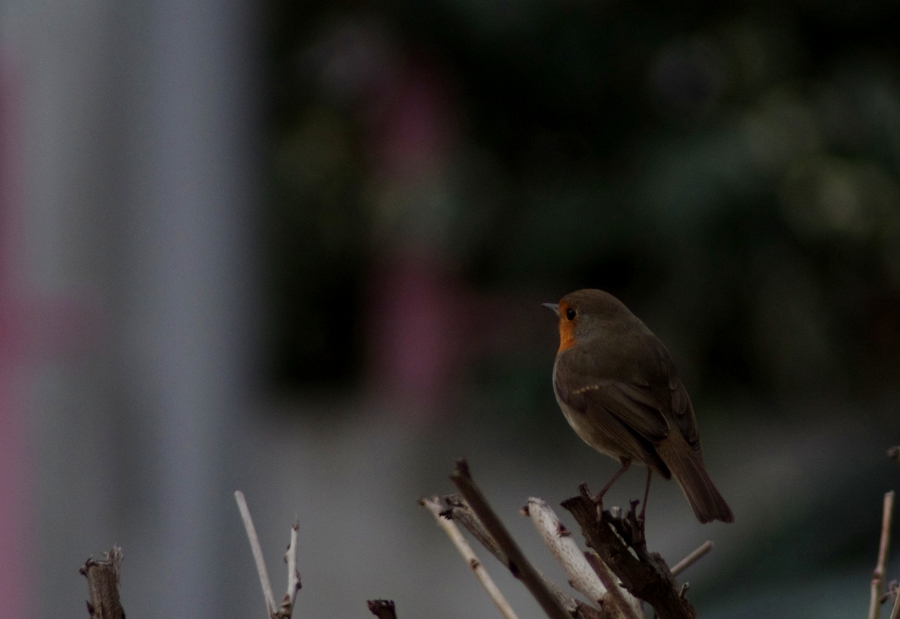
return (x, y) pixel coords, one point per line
(618, 388)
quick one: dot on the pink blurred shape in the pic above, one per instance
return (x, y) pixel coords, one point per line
(416, 338)
(418, 304)
(33, 327)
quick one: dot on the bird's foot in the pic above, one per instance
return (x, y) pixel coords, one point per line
(635, 522)
(640, 517)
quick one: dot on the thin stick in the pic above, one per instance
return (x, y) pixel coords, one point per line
(460, 512)
(518, 564)
(453, 532)
(647, 580)
(257, 552)
(692, 558)
(290, 557)
(103, 585)
(622, 602)
(895, 611)
(878, 574)
(564, 549)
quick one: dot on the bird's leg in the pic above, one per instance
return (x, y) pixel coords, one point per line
(640, 518)
(626, 462)
(646, 494)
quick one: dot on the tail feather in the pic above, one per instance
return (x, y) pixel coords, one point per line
(688, 470)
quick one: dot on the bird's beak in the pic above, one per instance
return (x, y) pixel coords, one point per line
(552, 306)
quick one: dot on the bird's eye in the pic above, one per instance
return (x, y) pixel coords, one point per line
(570, 314)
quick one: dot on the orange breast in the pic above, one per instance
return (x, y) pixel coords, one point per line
(566, 330)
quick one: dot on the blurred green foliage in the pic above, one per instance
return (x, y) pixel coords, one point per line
(732, 171)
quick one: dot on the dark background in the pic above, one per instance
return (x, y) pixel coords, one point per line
(729, 171)
(299, 249)
(437, 170)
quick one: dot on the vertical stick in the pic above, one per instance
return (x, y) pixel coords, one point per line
(468, 554)
(895, 611)
(290, 557)
(103, 586)
(878, 574)
(257, 553)
(518, 564)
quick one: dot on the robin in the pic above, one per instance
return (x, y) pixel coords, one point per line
(617, 386)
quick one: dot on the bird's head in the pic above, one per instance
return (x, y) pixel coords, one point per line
(582, 314)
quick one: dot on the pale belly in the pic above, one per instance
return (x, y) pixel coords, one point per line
(590, 434)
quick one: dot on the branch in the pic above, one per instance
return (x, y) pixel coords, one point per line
(645, 575)
(517, 563)
(290, 557)
(459, 511)
(257, 553)
(434, 506)
(692, 558)
(383, 609)
(894, 453)
(293, 578)
(564, 549)
(878, 575)
(895, 611)
(623, 603)
(605, 592)
(103, 585)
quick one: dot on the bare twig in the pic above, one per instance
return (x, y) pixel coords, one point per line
(564, 549)
(293, 578)
(617, 602)
(878, 574)
(895, 610)
(103, 585)
(890, 591)
(257, 553)
(459, 511)
(692, 558)
(518, 564)
(643, 574)
(383, 609)
(576, 608)
(433, 505)
(624, 604)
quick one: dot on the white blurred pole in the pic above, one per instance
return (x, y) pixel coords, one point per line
(190, 300)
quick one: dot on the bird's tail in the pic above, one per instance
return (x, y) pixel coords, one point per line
(688, 470)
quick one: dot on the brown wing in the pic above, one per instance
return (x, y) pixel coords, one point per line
(637, 407)
(627, 415)
(646, 396)
(683, 412)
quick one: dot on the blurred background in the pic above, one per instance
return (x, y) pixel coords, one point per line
(299, 249)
